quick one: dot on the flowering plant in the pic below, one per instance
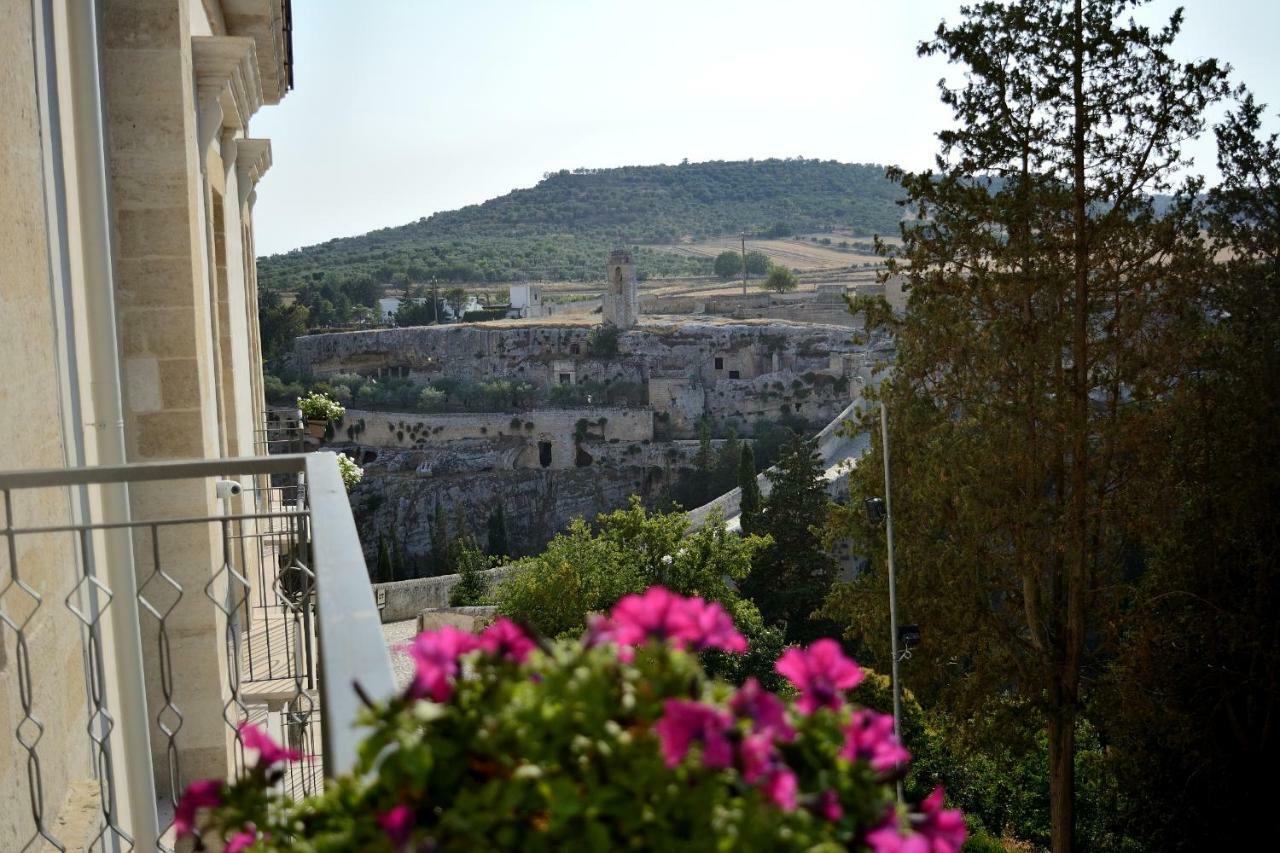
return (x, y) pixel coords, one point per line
(617, 740)
(350, 472)
(317, 406)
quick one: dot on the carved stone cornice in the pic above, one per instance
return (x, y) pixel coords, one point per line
(253, 158)
(265, 21)
(226, 72)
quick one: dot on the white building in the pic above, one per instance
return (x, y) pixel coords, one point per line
(526, 300)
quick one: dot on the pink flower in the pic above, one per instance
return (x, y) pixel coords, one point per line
(944, 828)
(821, 673)
(869, 737)
(762, 766)
(934, 830)
(768, 713)
(829, 805)
(780, 786)
(758, 756)
(660, 614)
(242, 840)
(397, 823)
(712, 628)
(684, 722)
(269, 752)
(201, 794)
(506, 639)
(435, 656)
(888, 838)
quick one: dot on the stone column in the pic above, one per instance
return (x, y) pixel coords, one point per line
(169, 347)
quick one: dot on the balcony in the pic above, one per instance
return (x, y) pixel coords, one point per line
(192, 611)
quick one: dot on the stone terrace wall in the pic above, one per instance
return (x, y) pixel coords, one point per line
(536, 351)
(513, 437)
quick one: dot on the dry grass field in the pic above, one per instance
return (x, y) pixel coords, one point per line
(800, 255)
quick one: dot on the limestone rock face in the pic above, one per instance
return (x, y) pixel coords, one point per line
(402, 489)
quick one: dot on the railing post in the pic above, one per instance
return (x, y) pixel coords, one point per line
(351, 641)
(125, 682)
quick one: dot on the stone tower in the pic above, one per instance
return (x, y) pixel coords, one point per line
(621, 305)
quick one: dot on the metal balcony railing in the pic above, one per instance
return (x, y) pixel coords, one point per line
(254, 606)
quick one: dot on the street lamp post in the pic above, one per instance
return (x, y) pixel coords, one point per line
(882, 510)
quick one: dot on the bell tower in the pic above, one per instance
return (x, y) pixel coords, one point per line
(621, 304)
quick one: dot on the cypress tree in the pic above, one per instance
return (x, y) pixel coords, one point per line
(498, 532)
(791, 577)
(384, 572)
(749, 505)
(440, 543)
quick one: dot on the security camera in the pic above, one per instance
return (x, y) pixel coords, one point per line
(227, 488)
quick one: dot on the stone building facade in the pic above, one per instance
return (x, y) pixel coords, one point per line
(729, 371)
(128, 294)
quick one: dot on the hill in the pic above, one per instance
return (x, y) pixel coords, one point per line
(561, 228)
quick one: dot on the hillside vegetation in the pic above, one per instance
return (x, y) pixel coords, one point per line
(562, 227)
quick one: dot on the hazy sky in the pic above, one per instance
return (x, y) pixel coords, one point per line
(406, 107)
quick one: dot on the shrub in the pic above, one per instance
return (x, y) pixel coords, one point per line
(431, 400)
(602, 342)
(318, 406)
(350, 471)
(615, 740)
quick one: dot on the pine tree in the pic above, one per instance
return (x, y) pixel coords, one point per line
(498, 532)
(790, 578)
(749, 505)
(1049, 306)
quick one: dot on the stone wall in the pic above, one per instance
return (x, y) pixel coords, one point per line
(524, 440)
(403, 600)
(691, 368)
(31, 420)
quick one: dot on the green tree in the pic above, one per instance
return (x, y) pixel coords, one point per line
(440, 548)
(582, 573)
(422, 312)
(757, 263)
(728, 264)
(780, 280)
(385, 571)
(750, 503)
(724, 476)
(279, 325)
(1049, 307)
(498, 532)
(1185, 703)
(469, 563)
(456, 299)
(791, 577)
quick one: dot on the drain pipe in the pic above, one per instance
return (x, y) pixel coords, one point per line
(126, 684)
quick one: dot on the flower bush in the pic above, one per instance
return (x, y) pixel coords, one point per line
(320, 407)
(351, 472)
(615, 740)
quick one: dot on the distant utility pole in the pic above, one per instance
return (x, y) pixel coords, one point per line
(435, 302)
(744, 263)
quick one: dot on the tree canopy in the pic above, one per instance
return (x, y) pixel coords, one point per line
(1051, 304)
(780, 279)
